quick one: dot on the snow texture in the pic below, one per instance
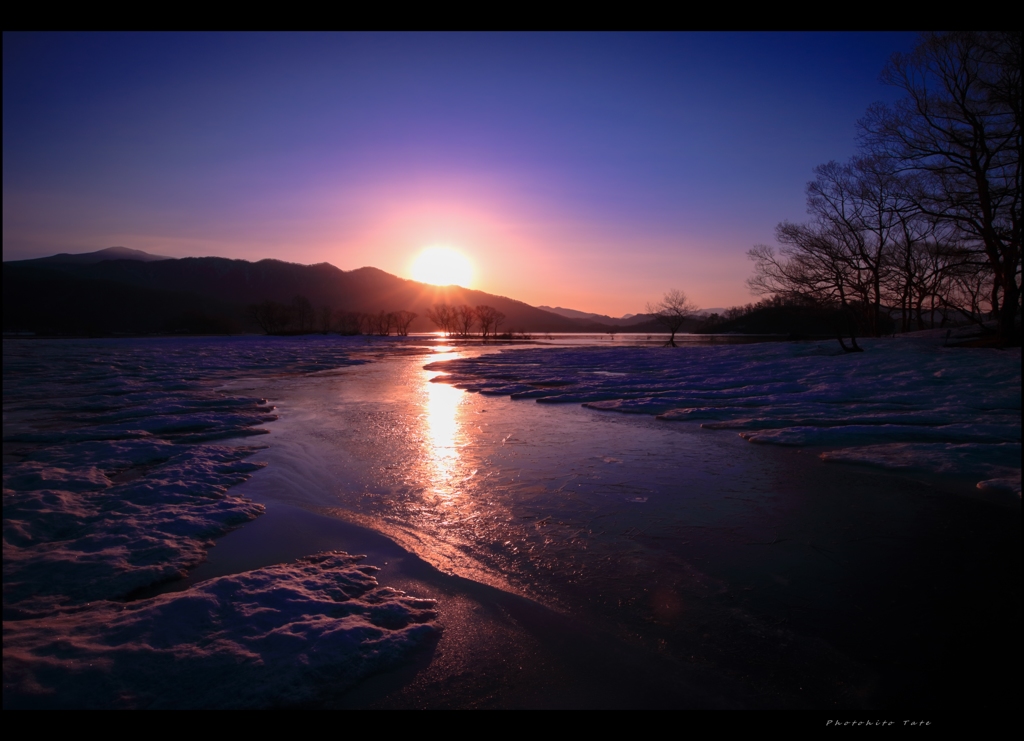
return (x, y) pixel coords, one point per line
(277, 636)
(119, 456)
(902, 404)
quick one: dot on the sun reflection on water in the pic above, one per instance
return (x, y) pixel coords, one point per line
(443, 430)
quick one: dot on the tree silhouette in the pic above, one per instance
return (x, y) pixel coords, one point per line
(303, 314)
(270, 316)
(442, 316)
(464, 319)
(959, 129)
(812, 268)
(381, 323)
(402, 320)
(672, 311)
(324, 316)
(490, 319)
(348, 322)
(867, 247)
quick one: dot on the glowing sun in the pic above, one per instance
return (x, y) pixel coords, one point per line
(442, 266)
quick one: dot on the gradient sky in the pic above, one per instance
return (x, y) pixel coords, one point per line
(592, 171)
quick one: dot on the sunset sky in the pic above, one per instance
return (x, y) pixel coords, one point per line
(591, 171)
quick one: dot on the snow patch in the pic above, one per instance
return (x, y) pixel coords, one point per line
(277, 636)
(902, 403)
(112, 478)
(113, 481)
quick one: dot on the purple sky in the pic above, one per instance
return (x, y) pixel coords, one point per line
(593, 171)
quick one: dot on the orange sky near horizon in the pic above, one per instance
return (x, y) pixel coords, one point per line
(524, 251)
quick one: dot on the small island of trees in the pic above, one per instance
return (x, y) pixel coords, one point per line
(299, 316)
(459, 321)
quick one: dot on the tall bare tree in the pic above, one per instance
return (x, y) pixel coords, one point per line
(403, 319)
(490, 319)
(303, 314)
(381, 323)
(464, 319)
(858, 203)
(812, 268)
(348, 322)
(324, 316)
(442, 315)
(271, 316)
(959, 128)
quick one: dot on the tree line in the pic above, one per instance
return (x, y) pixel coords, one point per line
(926, 217)
(300, 317)
(459, 321)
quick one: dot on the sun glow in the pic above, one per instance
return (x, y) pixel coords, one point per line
(442, 266)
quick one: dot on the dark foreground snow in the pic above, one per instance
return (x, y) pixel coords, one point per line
(276, 636)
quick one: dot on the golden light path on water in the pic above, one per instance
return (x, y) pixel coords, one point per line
(441, 411)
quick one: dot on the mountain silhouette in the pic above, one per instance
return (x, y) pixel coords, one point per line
(110, 253)
(590, 318)
(119, 290)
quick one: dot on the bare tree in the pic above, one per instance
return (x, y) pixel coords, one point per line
(270, 316)
(257, 314)
(348, 322)
(402, 320)
(959, 128)
(809, 265)
(464, 319)
(323, 316)
(490, 319)
(442, 316)
(920, 261)
(967, 292)
(381, 323)
(303, 314)
(861, 204)
(946, 276)
(673, 311)
(812, 268)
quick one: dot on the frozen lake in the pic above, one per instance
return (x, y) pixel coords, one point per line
(583, 557)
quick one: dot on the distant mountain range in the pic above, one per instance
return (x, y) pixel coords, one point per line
(622, 321)
(121, 290)
(87, 258)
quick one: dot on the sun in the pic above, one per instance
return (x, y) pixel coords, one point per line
(442, 266)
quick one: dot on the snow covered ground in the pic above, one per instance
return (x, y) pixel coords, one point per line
(904, 404)
(119, 456)
(276, 636)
